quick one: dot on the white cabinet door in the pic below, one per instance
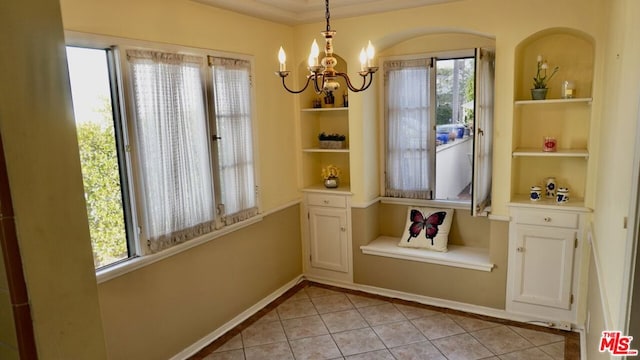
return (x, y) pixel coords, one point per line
(328, 238)
(543, 266)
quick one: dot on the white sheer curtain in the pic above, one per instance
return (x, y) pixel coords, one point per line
(485, 70)
(408, 123)
(172, 147)
(233, 118)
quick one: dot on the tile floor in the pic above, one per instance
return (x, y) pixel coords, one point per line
(314, 321)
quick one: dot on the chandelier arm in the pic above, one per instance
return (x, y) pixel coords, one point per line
(316, 87)
(365, 83)
(298, 91)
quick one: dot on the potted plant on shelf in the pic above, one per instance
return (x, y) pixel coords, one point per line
(331, 141)
(330, 175)
(539, 91)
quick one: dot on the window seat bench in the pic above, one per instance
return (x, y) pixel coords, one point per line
(467, 257)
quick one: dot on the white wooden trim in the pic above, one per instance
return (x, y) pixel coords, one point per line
(632, 245)
(198, 345)
(553, 101)
(466, 257)
(494, 217)
(583, 344)
(458, 205)
(365, 204)
(603, 295)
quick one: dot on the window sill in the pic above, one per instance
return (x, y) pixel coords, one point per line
(127, 266)
(466, 257)
(447, 204)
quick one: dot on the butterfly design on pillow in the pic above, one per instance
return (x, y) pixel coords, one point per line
(429, 225)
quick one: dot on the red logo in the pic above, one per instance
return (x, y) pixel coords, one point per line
(617, 344)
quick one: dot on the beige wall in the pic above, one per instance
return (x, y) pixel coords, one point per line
(471, 286)
(43, 165)
(158, 311)
(596, 324)
(619, 94)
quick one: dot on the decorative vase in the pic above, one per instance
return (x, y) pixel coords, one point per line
(551, 188)
(562, 196)
(534, 194)
(331, 182)
(539, 94)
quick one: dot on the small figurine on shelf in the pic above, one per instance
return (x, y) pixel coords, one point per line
(317, 102)
(331, 175)
(331, 141)
(345, 99)
(550, 144)
(329, 99)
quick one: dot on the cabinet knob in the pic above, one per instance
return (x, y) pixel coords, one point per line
(547, 219)
(520, 249)
(343, 229)
(326, 202)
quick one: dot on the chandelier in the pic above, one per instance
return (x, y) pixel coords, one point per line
(323, 73)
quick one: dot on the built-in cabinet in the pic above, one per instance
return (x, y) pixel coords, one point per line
(327, 250)
(546, 238)
(545, 249)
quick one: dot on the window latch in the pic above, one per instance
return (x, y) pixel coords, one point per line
(215, 137)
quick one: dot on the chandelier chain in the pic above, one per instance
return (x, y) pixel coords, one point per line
(327, 15)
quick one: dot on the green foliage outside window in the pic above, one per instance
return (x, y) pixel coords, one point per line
(103, 195)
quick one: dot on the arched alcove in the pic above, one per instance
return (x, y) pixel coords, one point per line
(571, 50)
(566, 120)
(328, 119)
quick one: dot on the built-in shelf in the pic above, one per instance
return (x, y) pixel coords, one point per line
(318, 150)
(553, 101)
(466, 257)
(574, 204)
(574, 153)
(341, 189)
(325, 109)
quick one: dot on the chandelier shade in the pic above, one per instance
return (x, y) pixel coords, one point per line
(322, 73)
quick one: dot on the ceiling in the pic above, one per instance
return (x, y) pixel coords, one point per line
(307, 11)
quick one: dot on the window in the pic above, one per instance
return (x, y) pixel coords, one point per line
(234, 137)
(95, 103)
(437, 127)
(188, 136)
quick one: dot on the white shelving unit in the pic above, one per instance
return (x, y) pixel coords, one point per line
(546, 239)
(553, 101)
(570, 153)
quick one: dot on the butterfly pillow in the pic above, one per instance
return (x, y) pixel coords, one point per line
(427, 228)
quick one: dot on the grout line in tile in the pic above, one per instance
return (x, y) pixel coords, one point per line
(570, 340)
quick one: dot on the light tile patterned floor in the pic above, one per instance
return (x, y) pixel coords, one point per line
(319, 322)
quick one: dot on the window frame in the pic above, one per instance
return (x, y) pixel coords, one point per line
(457, 204)
(121, 136)
(119, 46)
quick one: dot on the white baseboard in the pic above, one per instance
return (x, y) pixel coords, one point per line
(198, 345)
(583, 344)
(443, 303)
